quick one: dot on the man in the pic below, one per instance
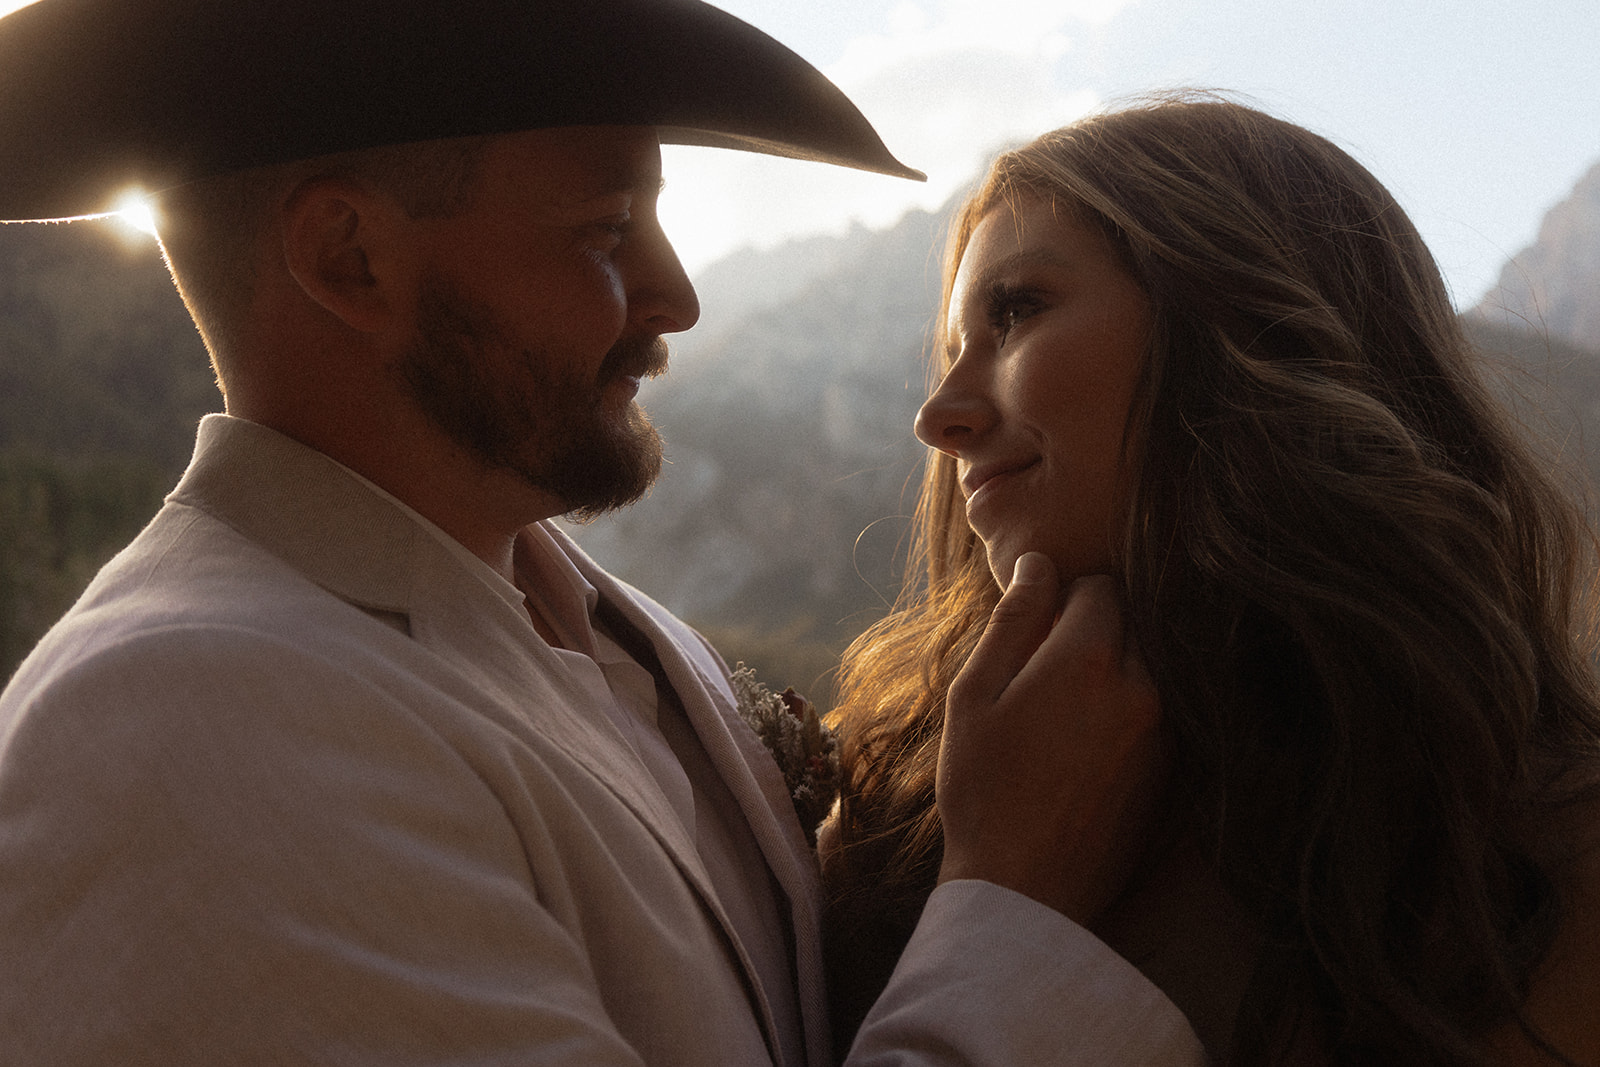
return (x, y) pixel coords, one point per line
(352, 757)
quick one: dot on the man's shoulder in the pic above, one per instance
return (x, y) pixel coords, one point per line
(187, 585)
(189, 569)
(197, 648)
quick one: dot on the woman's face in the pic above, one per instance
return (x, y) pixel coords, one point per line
(1045, 340)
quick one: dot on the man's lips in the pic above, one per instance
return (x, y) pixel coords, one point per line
(630, 362)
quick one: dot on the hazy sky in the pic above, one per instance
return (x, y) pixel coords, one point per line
(1478, 114)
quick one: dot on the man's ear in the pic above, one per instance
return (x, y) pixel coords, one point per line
(339, 239)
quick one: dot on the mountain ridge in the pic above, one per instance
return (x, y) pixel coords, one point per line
(1554, 284)
(778, 527)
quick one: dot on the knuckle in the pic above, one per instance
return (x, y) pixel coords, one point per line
(965, 692)
(957, 696)
(1016, 607)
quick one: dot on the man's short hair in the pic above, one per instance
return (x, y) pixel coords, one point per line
(210, 229)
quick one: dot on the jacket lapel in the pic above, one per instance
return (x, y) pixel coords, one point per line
(747, 768)
(464, 622)
(321, 520)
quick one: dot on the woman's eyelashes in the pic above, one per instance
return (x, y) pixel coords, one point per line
(1008, 306)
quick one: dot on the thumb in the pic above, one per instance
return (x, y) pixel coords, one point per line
(1017, 626)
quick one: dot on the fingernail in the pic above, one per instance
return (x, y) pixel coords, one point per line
(1030, 569)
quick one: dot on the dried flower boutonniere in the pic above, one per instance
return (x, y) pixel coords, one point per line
(806, 748)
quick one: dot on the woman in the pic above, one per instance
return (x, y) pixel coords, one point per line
(1204, 351)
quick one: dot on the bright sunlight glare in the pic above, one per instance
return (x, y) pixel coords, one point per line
(133, 209)
(8, 6)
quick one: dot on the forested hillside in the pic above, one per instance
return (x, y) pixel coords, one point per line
(102, 379)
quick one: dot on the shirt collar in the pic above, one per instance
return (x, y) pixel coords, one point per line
(474, 565)
(547, 579)
(556, 588)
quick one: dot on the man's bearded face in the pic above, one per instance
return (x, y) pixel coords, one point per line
(522, 408)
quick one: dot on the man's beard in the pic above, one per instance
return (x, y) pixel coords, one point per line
(534, 418)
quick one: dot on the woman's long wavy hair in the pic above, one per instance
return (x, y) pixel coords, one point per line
(1365, 600)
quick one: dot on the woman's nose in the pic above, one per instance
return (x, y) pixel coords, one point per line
(954, 415)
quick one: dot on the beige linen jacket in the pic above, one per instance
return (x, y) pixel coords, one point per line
(289, 785)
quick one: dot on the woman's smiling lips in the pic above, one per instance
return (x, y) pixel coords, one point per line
(989, 475)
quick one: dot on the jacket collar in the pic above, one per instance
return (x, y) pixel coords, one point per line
(306, 509)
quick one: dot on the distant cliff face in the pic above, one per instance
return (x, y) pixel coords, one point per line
(1554, 285)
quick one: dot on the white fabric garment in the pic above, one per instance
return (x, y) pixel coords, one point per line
(291, 784)
(670, 751)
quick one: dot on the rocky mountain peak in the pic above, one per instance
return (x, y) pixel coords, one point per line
(1553, 286)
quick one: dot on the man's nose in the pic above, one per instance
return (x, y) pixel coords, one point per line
(662, 296)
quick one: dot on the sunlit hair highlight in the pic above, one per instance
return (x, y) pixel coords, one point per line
(1366, 602)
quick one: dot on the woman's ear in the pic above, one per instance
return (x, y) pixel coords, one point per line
(339, 239)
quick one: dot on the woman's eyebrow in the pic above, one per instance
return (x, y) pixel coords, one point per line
(1027, 257)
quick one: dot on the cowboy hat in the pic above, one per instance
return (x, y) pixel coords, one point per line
(100, 95)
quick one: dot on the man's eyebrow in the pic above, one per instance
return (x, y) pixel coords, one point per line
(619, 183)
(629, 180)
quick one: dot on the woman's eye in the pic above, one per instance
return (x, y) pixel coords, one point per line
(1008, 308)
(616, 226)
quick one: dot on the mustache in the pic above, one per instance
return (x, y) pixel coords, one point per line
(642, 357)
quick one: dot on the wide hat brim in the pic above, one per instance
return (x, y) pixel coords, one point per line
(97, 96)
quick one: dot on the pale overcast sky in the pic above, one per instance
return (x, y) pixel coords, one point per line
(1479, 114)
